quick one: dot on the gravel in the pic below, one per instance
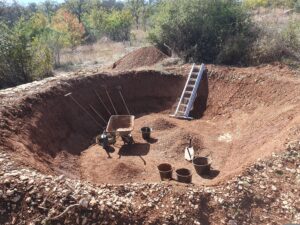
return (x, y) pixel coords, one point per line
(265, 193)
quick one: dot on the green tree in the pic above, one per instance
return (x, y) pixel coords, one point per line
(95, 22)
(136, 7)
(49, 7)
(297, 6)
(201, 30)
(117, 25)
(14, 55)
(77, 7)
(66, 31)
(23, 56)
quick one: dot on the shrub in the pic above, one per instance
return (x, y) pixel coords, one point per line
(41, 59)
(275, 44)
(94, 21)
(203, 30)
(69, 27)
(297, 6)
(115, 24)
(255, 3)
(22, 58)
(14, 58)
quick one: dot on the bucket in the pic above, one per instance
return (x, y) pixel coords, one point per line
(202, 165)
(184, 175)
(146, 131)
(165, 171)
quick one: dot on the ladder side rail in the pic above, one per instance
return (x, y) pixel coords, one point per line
(184, 89)
(194, 92)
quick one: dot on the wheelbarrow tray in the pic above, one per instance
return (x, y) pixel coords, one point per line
(120, 124)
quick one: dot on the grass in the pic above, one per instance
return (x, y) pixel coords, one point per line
(102, 53)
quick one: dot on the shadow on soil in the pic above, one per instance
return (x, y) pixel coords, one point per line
(137, 149)
(152, 140)
(211, 175)
(200, 104)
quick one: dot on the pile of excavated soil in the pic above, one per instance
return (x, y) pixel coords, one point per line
(146, 56)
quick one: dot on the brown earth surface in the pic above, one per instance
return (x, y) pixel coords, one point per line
(250, 113)
(264, 193)
(146, 56)
(52, 172)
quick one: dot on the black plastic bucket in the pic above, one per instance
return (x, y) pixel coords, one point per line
(184, 175)
(202, 165)
(146, 131)
(165, 171)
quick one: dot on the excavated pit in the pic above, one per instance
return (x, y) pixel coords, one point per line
(245, 117)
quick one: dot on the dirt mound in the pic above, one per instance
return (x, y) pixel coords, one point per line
(146, 56)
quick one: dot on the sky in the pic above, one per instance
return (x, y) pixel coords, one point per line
(26, 2)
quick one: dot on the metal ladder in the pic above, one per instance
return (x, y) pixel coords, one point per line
(189, 92)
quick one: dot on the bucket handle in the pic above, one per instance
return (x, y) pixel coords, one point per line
(151, 129)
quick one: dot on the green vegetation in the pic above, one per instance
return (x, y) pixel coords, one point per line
(209, 31)
(32, 37)
(275, 44)
(270, 3)
(115, 24)
(221, 31)
(224, 32)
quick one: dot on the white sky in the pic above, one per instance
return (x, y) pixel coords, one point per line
(26, 2)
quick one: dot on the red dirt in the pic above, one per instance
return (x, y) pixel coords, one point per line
(249, 115)
(141, 57)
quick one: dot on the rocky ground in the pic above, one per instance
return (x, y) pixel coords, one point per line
(265, 193)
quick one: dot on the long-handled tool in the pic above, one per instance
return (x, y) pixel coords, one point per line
(119, 88)
(109, 98)
(100, 99)
(76, 102)
(98, 114)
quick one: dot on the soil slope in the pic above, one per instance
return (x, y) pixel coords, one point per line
(51, 171)
(141, 57)
(248, 115)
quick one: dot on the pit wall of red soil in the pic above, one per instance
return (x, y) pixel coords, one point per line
(259, 107)
(48, 123)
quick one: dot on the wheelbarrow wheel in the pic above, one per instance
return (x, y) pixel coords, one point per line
(127, 139)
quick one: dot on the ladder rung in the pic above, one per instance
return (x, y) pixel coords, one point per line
(187, 98)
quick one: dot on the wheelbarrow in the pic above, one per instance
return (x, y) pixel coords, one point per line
(121, 125)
